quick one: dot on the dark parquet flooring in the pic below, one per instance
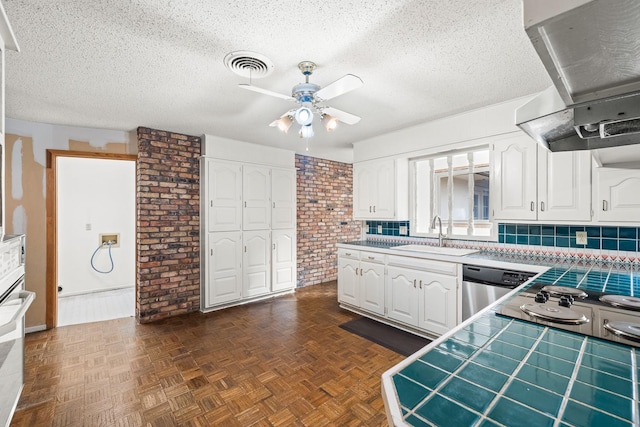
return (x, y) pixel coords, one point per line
(283, 362)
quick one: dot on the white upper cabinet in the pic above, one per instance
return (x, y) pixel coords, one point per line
(616, 195)
(256, 194)
(380, 189)
(564, 191)
(531, 183)
(283, 198)
(224, 194)
(514, 179)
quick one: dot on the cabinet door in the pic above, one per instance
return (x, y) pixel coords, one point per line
(564, 185)
(402, 295)
(384, 201)
(224, 266)
(438, 302)
(348, 280)
(514, 179)
(364, 190)
(256, 263)
(224, 191)
(372, 287)
(256, 193)
(616, 194)
(283, 199)
(283, 260)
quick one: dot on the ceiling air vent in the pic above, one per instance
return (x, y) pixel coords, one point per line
(248, 64)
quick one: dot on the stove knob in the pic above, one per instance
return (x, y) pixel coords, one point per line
(542, 298)
(565, 302)
(546, 294)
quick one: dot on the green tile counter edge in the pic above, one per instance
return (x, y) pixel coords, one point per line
(493, 370)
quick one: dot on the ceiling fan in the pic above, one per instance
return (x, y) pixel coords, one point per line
(309, 97)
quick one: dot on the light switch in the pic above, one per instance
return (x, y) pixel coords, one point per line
(581, 237)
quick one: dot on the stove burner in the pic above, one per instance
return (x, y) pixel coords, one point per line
(627, 330)
(622, 301)
(563, 290)
(554, 314)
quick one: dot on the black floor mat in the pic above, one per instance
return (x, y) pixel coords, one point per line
(387, 336)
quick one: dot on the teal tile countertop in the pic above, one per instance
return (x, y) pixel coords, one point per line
(497, 371)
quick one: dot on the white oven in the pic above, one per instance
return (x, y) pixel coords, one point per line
(14, 302)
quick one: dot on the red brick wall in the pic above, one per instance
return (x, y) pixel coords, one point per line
(325, 205)
(168, 217)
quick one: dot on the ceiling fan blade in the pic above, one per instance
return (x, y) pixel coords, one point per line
(342, 85)
(266, 92)
(343, 116)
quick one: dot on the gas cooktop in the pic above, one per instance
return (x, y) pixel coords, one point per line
(610, 317)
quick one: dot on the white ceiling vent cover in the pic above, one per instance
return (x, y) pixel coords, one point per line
(248, 64)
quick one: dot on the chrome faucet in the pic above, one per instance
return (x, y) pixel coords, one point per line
(433, 225)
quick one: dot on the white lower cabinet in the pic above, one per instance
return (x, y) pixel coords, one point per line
(361, 280)
(224, 267)
(415, 292)
(248, 265)
(283, 260)
(257, 263)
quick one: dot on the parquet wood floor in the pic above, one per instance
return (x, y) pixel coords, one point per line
(282, 362)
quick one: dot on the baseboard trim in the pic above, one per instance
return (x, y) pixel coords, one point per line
(37, 328)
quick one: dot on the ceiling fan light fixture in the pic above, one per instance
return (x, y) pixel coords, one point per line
(304, 116)
(330, 123)
(283, 123)
(306, 131)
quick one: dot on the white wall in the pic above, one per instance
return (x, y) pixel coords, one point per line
(452, 132)
(101, 193)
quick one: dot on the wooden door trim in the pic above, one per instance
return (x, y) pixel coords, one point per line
(51, 315)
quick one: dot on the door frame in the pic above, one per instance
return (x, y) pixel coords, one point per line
(52, 224)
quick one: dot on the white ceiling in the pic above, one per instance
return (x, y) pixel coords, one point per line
(120, 64)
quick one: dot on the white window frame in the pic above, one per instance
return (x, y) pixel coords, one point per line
(435, 195)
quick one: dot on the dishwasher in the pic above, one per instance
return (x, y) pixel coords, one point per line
(482, 286)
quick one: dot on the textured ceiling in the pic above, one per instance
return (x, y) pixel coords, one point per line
(120, 64)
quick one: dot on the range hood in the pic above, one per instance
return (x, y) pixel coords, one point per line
(591, 50)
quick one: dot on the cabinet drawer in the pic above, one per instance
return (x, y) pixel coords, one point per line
(442, 267)
(349, 253)
(372, 257)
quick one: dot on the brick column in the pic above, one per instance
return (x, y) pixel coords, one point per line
(168, 220)
(325, 212)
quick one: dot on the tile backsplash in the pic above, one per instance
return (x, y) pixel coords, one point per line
(536, 235)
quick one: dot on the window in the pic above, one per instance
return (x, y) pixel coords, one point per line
(456, 188)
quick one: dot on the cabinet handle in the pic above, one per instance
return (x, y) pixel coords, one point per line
(245, 249)
(361, 272)
(533, 206)
(211, 252)
(542, 206)
(604, 205)
(414, 283)
(420, 284)
(212, 203)
(274, 204)
(369, 208)
(371, 257)
(245, 204)
(347, 253)
(356, 271)
(274, 246)
(374, 208)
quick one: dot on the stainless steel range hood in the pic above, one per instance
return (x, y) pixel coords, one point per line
(591, 50)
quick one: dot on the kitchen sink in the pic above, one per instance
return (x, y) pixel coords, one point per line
(440, 250)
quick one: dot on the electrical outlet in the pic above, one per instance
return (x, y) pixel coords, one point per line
(380, 229)
(581, 237)
(403, 230)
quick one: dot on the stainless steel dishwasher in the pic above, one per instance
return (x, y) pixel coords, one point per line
(482, 286)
